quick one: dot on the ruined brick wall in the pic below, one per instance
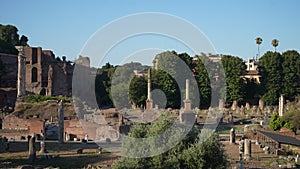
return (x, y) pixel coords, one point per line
(12, 122)
(33, 126)
(39, 78)
(74, 127)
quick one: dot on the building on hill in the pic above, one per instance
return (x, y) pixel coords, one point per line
(252, 70)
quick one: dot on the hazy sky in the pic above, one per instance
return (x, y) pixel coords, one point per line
(230, 25)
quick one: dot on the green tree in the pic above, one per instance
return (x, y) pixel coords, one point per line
(138, 91)
(103, 85)
(203, 81)
(9, 38)
(292, 117)
(9, 34)
(190, 152)
(234, 68)
(276, 123)
(270, 68)
(291, 74)
(164, 82)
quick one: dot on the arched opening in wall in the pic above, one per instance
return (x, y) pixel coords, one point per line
(34, 74)
(43, 92)
(34, 55)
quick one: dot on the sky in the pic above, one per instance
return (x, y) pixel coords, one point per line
(231, 26)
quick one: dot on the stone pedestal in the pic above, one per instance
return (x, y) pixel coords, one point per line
(187, 105)
(221, 104)
(149, 104)
(187, 117)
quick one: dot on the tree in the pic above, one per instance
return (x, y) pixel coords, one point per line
(9, 38)
(291, 74)
(190, 152)
(270, 68)
(234, 68)
(103, 85)
(9, 34)
(251, 89)
(292, 117)
(258, 42)
(276, 123)
(163, 81)
(275, 43)
(138, 91)
(203, 81)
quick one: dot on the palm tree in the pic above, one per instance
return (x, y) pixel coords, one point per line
(275, 43)
(258, 42)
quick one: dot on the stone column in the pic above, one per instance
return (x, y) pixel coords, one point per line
(232, 136)
(234, 105)
(281, 106)
(149, 102)
(187, 101)
(247, 149)
(32, 150)
(242, 110)
(247, 106)
(261, 104)
(60, 122)
(50, 78)
(21, 91)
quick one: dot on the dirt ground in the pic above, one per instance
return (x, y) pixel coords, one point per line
(64, 156)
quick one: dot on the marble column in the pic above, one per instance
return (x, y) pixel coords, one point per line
(281, 106)
(21, 71)
(187, 101)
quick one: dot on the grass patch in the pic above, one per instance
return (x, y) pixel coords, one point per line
(40, 98)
